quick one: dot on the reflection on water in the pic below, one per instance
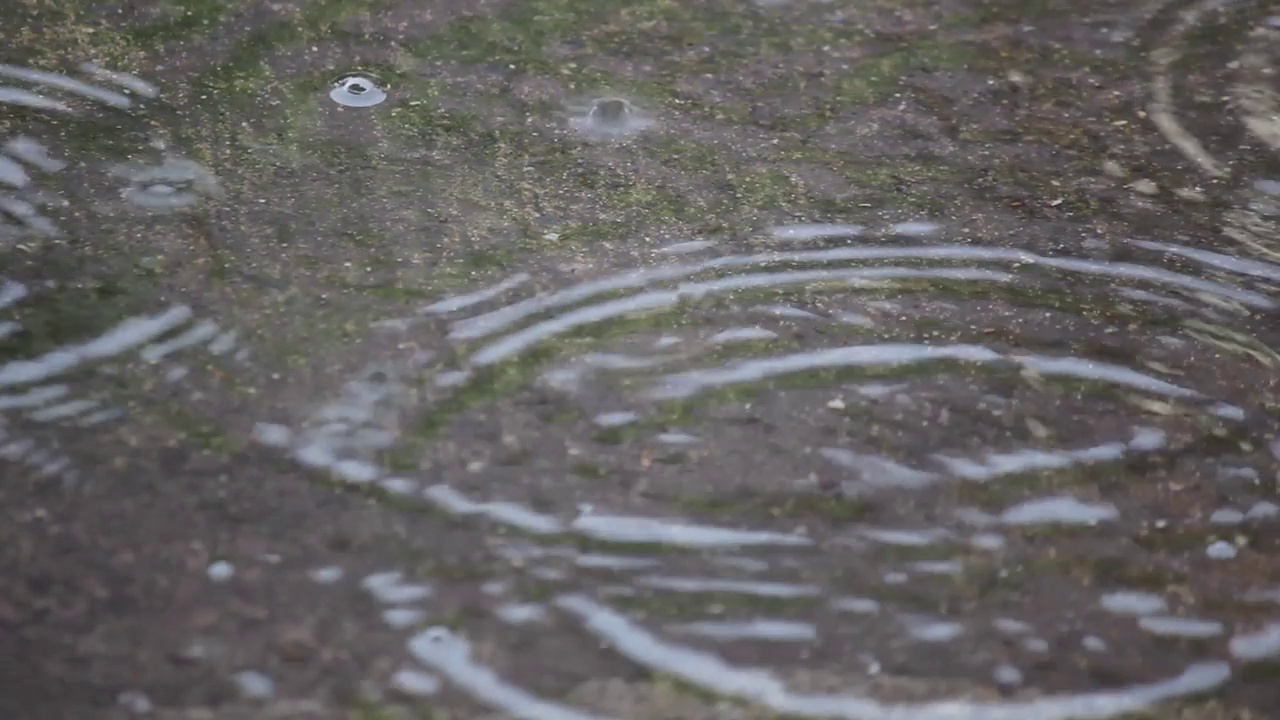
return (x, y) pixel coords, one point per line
(875, 446)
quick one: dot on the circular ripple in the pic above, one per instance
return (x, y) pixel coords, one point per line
(927, 458)
(1201, 48)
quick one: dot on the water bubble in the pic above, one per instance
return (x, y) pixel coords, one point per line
(221, 571)
(357, 90)
(607, 118)
(254, 685)
(174, 184)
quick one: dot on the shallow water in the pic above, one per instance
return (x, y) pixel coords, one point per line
(567, 360)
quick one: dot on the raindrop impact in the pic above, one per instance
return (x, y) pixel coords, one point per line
(356, 90)
(609, 118)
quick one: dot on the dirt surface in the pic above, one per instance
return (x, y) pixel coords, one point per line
(670, 360)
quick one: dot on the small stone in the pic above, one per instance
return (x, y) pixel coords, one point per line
(836, 404)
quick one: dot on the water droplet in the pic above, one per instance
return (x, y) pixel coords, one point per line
(609, 118)
(357, 90)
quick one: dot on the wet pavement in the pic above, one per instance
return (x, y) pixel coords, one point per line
(558, 360)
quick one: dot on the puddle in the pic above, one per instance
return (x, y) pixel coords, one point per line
(868, 369)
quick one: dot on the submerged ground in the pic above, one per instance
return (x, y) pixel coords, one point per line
(685, 360)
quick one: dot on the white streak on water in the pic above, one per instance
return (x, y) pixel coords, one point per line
(1105, 372)
(758, 629)
(1061, 510)
(742, 334)
(814, 231)
(399, 618)
(685, 384)
(124, 80)
(490, 323)
(1132, 602)
(878, 472)
(26, 98)
(630, 529)
(200, 332)
(506, 513)
(686, 247)
(125, 336)
(62, 82)
(63, 410)
(996, 465)
(13, 174)
(1256, 268)
(712, 673)
(31, 152)
(450, 656)
(716, 585)
(1168, 626)
(462, 302)
(34, 397)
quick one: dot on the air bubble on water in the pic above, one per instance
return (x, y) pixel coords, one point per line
(1261, 644)
(1220, 550)
(254, 685)
(1036, 645)
(221, 571)
(1007, 675)
(1262, 509)
(401, 617)
(609, 118)
(1226, 516)
(357, 90)
(1093, 644)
